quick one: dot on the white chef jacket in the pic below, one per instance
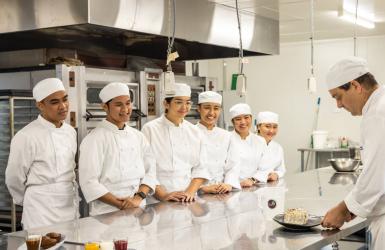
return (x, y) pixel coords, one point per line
(40, 173)
(250, 149)
(223, 161)
(179, 152)
(272, 160)
(367, 198)
(115, 161)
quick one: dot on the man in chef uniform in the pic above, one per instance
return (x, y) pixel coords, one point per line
(40, 173)
(249, 145)
(223, 157)
(116, 165)
(356, 90)
(272, 165)
(179, 149)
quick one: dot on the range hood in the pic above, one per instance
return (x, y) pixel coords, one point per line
(204, 29)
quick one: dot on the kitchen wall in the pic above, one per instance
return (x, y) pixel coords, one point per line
(279, 84)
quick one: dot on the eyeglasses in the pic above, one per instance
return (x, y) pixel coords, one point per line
(181, 103)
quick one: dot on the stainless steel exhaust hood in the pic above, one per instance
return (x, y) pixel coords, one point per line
(134, 27)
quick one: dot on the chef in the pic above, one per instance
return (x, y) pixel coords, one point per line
(116, 166)
(272, 165)
(40, 173)
(179, 149)
(223, 157)
(355, 89)
(249, 145)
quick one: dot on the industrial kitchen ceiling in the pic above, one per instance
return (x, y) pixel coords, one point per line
(203, 29)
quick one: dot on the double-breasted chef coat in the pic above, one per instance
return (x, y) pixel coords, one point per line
(179, 152)
(272, 160)
(367, 199)
(223, 160)
(251, 149)
(40, 173)
(115, 161)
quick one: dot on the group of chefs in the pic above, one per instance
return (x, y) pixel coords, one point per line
(172, 159)
(120, 167)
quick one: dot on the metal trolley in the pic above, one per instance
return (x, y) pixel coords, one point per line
(17, 109)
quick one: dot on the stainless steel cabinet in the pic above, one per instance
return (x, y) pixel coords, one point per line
(17, 109)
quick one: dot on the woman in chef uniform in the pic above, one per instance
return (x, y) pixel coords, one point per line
(272, 165)
(40, 173)
(223, 157)
(178, 148)
(116, 166)
(249, 145)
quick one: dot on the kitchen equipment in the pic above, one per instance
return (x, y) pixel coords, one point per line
(118, 28)
(17, 109)
(355, 153)
(313, 220)
(151, 93)
(89, 104)
(344, 164)
(344, 178)
(344, 143)
(319, 139)
(315, 127)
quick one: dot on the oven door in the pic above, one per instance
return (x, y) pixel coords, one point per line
(193, 116)
(93, 90)
(94, 111)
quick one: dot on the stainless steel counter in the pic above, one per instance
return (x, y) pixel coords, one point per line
(240, 220)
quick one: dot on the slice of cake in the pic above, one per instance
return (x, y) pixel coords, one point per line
(297, 216)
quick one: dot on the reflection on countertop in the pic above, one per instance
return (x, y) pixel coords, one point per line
(238, 220)
(347, 178)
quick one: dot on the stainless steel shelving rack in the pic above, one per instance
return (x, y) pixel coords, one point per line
(17, 109)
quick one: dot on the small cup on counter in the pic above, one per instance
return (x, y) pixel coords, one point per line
(120, 244)
(91, 246)
(33, 241)
(106, 245)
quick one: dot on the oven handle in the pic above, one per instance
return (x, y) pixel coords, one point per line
(139, 113)
(89, 115)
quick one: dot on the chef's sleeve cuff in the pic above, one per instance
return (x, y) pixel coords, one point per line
(93, 191)
(354, 207)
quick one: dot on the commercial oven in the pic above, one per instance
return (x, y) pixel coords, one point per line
(151, 82)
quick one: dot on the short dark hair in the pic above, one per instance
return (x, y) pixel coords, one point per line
(168, 100)
(366, 80)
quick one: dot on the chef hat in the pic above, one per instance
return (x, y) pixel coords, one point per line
(210, 96)
(267, 117)
(181, 89)
(113, 90)
(46, 87)
(240, 109)
(345, 71)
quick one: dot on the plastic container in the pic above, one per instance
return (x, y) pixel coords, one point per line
(344, 142)
(319, 139)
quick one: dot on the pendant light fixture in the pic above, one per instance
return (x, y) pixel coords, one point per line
(169, 78)
(241, 78)
(311, 81)
(355, 31)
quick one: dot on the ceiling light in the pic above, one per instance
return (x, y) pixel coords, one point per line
(365, 21)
